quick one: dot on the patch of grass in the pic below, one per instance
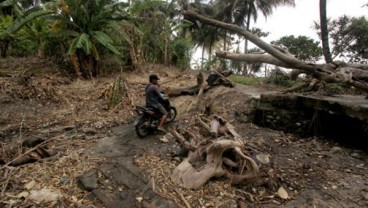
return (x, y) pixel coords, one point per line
(246, 80)
(335, 88)
(279, 79)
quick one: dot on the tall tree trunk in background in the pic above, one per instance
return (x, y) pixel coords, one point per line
(166, 51)
(225, 40)
(202, 57)
(133, 51)
(324, 31)
(209, 55)
(86, 66)
(4, 46)
(248, 28)
(37, 3)
(245, 67)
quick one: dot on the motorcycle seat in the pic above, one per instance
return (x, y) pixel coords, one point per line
(146, 110)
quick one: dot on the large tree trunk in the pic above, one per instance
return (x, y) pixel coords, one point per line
(324, 31)
(357, 72)
(335, 72)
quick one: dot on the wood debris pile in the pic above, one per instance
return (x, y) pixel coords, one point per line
(118, 93)
(34, 87)
(214, 194)
(217, 171)
(49, 182)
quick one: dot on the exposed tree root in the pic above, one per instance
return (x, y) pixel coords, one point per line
(210, 157)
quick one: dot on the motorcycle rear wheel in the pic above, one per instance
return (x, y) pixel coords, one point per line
(171, 115)
(142, 128)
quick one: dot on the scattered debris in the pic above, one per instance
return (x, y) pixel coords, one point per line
(44, 195)
(164, 139)
(263, 158)
(336, 150)
(282, 193)
(30, 185)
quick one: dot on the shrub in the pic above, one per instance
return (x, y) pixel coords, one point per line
(246, 80)
(180, 55)
(278, 77)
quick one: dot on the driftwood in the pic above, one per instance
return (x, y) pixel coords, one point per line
(203, 84)
(337, 72)
(211, 157)
(217, 78)
(34, 154)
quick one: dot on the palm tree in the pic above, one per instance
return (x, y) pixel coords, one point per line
(11, 8)
(206, 37)
(245, 10)
(224, 13)
(203, 36)
(14, 15)
(89, 28)
(159, 24)
(155, 21)
(324, 31)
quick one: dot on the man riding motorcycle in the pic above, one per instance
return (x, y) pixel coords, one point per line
(153, 97)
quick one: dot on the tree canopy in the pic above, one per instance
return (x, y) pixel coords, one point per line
(304, 48)
(349, 36)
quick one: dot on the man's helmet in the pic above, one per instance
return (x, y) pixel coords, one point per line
(153, 77)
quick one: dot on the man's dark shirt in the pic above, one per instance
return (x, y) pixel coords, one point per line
(152, 95)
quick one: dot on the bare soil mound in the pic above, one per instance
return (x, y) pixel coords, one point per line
(88, 138)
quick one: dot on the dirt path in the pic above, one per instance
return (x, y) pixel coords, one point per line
(121, 183)
(315, 172)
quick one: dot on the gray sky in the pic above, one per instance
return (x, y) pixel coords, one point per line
(298, 20)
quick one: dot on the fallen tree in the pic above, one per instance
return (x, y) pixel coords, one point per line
(338, 72)
(215, 150)
(217, 78)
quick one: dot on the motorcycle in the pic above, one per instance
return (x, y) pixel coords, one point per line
(148, 119)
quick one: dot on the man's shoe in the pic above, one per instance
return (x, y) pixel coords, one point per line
(162, 130)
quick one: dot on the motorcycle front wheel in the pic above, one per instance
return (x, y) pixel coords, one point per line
(171, 115)
(142, 128)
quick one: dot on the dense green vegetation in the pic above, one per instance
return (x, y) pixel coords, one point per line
(84, 35)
